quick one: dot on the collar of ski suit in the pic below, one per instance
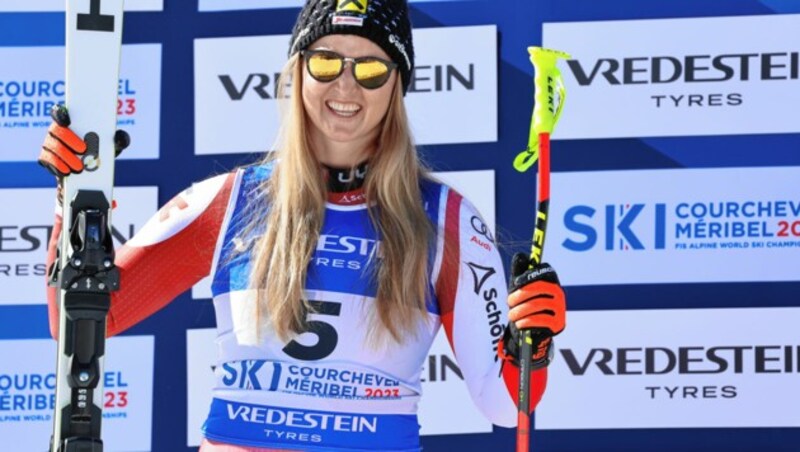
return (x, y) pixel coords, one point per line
(346, 185)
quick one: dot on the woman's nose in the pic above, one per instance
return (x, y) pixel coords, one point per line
(347, 80)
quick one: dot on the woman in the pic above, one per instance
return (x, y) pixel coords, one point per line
(335, 260)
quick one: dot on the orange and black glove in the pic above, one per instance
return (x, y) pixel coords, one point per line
(63, 150)
(537, 302)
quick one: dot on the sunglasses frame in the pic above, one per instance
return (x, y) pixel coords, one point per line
(307, 54)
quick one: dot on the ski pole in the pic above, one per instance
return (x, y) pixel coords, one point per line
(547, 83)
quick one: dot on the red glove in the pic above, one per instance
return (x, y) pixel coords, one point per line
(537, 302)
(62, 148)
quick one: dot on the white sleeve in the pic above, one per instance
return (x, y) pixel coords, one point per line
(472, 293)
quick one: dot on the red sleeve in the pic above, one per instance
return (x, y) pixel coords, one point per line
(168, 256)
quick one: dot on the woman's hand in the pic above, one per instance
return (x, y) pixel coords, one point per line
(536, 302)
(62, 150)
(536, 298)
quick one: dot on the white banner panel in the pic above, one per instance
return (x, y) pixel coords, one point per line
(669, 77)
(27, 393)
(691, 368)
(234, 93)
(58, 5)
(453, 94)
(452, 97)
(30, 88)
(24, 235)
(675, 226)
(227, 5)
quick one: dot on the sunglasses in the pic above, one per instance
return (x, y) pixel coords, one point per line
(326, 66)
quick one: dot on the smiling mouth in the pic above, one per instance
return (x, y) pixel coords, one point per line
(343, 109)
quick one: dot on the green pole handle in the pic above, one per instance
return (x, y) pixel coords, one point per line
(548, 83)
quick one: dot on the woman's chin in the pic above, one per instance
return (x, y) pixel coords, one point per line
(342, 136)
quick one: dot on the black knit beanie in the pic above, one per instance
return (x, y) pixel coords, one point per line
(384, 22)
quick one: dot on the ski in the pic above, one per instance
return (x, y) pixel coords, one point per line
(85, 271)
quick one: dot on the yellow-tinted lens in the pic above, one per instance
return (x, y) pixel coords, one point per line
(324, 67)
(371, 73)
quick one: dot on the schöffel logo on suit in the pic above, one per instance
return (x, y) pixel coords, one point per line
(488, 292)
(698, 378)
(687, 227)
(699, 76)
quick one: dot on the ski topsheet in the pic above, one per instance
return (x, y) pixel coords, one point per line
(86, 273)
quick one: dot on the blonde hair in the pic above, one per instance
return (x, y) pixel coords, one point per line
(295, 203)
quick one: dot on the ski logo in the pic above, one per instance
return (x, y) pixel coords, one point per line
(96, 21)
(480, 274)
